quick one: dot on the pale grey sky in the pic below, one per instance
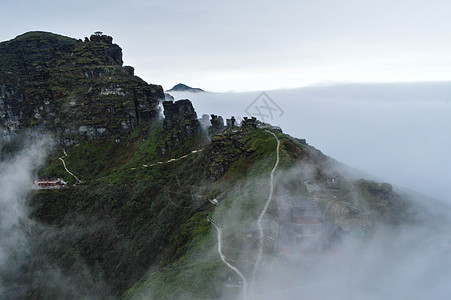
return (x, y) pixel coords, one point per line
(256, 45)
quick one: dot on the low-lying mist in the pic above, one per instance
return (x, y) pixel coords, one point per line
(27, 264)
(16, 178)
(403, 253)
(396, 132)
(409, 263)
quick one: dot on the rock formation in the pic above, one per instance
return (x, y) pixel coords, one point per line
(180, 122)
(78, 89)
(230, 123)
(249, 123)
(217, 125)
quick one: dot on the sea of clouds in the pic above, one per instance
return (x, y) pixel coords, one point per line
(399, 133)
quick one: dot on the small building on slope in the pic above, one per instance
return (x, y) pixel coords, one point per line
(48, 183)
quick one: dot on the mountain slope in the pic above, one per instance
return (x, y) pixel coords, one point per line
(158, 214)
(132, 213)
(139, 219)
(349, 208)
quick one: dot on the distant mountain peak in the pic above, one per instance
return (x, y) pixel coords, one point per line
(185, 88)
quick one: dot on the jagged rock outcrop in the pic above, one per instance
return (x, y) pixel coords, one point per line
(205, 122)
(180, 123)
(168, 97)
(217, 125)
(231, 123)
(249, 122)
(224, 150)
(78, 89)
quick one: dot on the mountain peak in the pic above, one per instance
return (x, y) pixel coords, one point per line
(185, 88)
(49, 80)
(30, 35)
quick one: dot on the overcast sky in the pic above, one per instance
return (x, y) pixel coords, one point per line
(256, 45)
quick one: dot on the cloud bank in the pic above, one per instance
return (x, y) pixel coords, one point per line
(397, 132)
(27, 248)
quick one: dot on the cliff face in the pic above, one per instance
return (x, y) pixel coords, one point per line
(180, 123)
(79, 89)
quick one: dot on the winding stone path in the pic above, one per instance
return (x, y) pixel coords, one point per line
(170, 160)
(64, 165)
(244, 281)
(262, 214)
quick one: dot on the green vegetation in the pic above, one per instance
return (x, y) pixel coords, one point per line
(148, 229)
(138, 221)
(188, 276)
(154, 216)
(244, 188)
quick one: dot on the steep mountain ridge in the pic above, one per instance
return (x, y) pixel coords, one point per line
(137, 226)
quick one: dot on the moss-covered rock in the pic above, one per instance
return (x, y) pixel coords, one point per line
(78, 89)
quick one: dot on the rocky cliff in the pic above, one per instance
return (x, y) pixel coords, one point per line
(78, 89)
(180, 123)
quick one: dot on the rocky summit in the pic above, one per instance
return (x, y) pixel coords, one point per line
(185, 88)
(136, 203)
(78, 89)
